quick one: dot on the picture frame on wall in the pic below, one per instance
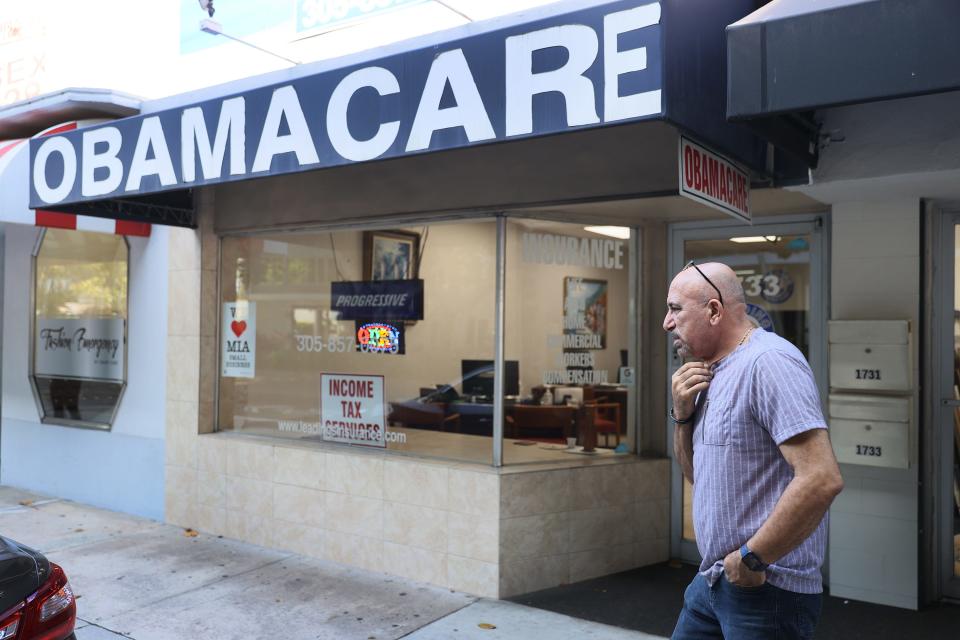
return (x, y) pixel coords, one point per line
(390, 255)
(585, 310)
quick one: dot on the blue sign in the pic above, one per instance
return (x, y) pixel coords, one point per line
(239, 18)
(588, 68)
(760, 314)
(326, 15)
(386, 299)
(777, 286)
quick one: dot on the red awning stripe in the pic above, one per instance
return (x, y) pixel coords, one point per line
(56, 219)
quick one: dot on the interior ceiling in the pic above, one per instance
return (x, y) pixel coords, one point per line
(764, 202)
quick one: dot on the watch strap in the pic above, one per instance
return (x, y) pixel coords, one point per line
(751, 559)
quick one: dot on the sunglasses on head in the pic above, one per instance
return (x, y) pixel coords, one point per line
(693, 264)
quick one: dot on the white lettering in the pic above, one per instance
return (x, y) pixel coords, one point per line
(596, 253)
(617, 63)
(285, 104)
(468, 113)
(194, 140)
(62, 146)
(89, 185)
(151, 136)
(338, 129)
(522, 83)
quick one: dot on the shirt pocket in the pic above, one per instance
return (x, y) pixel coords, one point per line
(716, 423)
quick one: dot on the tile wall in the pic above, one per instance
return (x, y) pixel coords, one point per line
(466, 527)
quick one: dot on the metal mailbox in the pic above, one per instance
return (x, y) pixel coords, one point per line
(870, 430)
(870, 355)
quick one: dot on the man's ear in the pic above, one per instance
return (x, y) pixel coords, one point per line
(716, 311)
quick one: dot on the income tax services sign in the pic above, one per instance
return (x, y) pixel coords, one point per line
(351, 409)
(598, 66)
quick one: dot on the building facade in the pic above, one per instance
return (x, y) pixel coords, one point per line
(400, 281)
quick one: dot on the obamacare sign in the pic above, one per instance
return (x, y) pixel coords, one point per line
(586, 68)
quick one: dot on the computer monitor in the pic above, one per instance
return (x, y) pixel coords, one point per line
(574, 394)
(478, 377)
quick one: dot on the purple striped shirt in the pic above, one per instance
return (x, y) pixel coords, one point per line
(762, 394)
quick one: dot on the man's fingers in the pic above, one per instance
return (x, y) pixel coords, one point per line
(687, 366)
(697, 388)
(698, 371)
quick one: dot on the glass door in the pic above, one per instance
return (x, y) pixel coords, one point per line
(781, 269)
(948, 433)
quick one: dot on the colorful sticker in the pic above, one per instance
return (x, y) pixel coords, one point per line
(376, 337)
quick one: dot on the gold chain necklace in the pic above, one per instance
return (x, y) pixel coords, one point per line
(744, 337)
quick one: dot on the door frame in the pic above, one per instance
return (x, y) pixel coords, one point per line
(937, 553)
(818, 226)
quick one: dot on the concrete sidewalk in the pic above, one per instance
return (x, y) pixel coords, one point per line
(137, 578)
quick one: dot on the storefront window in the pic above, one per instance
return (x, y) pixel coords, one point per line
(367, 338)
(79, 329)
(567, 383)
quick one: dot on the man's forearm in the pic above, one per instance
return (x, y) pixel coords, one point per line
(683, 449)
(795, 516)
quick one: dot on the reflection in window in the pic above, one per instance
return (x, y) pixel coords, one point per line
(296, 362)
(79, 326)
(568, 327)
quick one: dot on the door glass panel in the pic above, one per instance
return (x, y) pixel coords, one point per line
(775, 273)
(955, 451)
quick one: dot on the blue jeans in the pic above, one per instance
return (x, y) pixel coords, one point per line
(728, 611)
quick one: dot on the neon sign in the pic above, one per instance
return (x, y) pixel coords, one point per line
(376, 337)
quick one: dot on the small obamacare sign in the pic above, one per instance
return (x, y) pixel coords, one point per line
(593, 67)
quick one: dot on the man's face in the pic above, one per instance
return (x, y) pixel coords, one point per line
(687, 319)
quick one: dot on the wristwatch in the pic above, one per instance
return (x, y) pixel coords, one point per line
(752, 560)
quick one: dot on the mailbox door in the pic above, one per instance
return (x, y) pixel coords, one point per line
(874, 444)
(876, 367)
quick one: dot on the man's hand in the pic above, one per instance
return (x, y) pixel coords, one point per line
(737, 573)
(688, 381)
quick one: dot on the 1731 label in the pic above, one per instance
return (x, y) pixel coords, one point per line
(868, 374)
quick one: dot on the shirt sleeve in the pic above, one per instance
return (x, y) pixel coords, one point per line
(784, 398)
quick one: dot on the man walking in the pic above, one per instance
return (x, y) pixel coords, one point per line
(750, 436)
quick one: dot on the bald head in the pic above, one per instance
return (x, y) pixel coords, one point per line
(722, 277)
(701, 326)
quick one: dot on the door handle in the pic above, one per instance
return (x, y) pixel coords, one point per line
(950, 402)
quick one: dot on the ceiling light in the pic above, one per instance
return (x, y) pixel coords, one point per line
(745, 239)
(614, 232)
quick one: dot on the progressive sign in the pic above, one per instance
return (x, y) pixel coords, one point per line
(587, 68)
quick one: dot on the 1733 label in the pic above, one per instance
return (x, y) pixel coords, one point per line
(869, 450)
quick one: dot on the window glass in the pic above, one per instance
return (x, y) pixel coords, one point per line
(567, 388)
(79, 330)
(361, 337)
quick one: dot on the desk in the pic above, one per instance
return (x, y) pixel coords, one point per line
(475, 418)
(533, 417)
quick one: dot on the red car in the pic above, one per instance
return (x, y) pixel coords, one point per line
(35, 597)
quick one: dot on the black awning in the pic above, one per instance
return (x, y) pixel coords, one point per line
(797, 55)
(171, 208)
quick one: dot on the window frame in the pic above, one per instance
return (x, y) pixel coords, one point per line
(501, 218)
(31, 369)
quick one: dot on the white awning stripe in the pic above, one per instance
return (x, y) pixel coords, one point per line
(15, 192)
